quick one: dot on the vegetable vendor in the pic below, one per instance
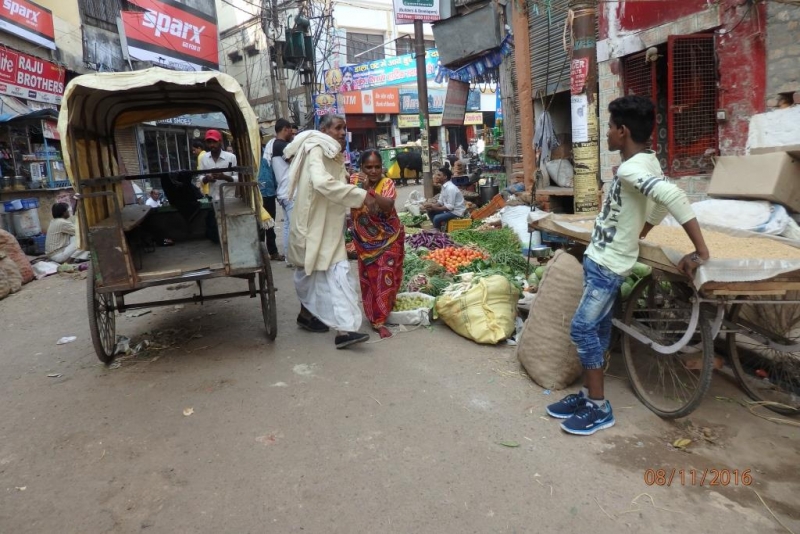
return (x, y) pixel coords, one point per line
(451, 203)
(379, 241)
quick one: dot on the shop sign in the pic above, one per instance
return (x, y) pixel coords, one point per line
(455, 104)
(412, 121)
(410, 10)
(390, 71)
(409, 101)
(168, 32)
(30, 77)
(498, 113)
(361, 122)
(50, 130)
(385, 100)
(435, 120)
(30, 21)
(473, 118)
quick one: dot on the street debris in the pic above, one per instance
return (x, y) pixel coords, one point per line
(178, 307)
(510, 444)
(66, 339)
(681, 443)
(279, 385)
(21, 488)
(790, 531)
(54, 375)
(546, 392)
(188, 411)
(269, 439)
(137, 313)
(178, 286)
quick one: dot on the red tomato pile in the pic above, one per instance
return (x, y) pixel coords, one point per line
(451, 258)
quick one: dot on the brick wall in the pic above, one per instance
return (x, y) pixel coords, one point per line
(783, 48)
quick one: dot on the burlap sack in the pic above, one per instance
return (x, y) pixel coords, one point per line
(544, 347)
(10, 279)
(9, 245)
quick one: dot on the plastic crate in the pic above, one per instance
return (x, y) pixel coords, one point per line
(12, 205)
(30, 203)
(489, 209)
(38, 244)
(458, 224)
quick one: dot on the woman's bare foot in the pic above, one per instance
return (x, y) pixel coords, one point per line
(383, 331)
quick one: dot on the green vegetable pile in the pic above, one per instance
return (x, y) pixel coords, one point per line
(411, 220)
(492, 241)
(639, 272)
(408, 302)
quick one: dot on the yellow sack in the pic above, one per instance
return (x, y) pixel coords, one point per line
(485, 313)
(266, 219)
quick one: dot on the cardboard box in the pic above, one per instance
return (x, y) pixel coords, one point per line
(774, 177)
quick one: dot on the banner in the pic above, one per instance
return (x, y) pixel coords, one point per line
(409, 101)
(455, 103)
(385, 100)
(473, 118)
(498, 113)
(412, 121)
(390, 71)
(179, 36)
(30, 21)
(30, 78)
(328, 104)
(406, 11)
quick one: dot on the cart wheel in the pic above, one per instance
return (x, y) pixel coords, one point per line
(102, 323)
(765, 353)
(671, 385)
(266, 289)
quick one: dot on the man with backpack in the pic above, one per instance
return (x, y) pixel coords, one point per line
(274, 167)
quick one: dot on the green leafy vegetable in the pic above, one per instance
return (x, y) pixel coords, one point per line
(493, 241)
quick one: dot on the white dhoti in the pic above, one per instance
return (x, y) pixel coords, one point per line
(331, 296)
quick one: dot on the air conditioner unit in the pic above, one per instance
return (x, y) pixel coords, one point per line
(383, 117)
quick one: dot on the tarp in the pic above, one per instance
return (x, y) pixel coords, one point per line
(11, 108)
(94, 106)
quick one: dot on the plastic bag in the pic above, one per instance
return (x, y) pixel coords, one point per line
(420, 316)
(414, 201)
(560, 172)
(484, 313)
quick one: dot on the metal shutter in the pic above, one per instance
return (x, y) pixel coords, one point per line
(549, 61)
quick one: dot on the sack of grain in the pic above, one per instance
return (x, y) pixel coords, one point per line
(484, 313)
(10, 279)
(544, 348)
(9, 245)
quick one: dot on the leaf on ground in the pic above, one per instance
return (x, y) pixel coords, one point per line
(681, 443)
(508, 443)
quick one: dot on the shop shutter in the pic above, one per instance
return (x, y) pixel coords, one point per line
(549, 61)
(128, 151)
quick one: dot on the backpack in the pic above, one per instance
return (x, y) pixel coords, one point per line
(266, 176)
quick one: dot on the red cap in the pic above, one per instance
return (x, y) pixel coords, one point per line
(214, 135)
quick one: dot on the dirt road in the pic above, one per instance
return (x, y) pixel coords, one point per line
(294, 436)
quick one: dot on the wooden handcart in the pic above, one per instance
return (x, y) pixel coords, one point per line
(671, 331)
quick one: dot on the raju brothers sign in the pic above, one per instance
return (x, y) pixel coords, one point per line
(30, 78)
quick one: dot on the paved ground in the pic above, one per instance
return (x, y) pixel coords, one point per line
(294, 436)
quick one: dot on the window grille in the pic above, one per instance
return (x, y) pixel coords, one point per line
(361, 42)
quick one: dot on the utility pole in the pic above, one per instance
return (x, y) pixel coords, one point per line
(281, 100)
(585, 123)
(424, 118)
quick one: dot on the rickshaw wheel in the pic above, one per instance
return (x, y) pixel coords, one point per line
(102, 322)
(767, 373)
(266, 289)
(670, 385)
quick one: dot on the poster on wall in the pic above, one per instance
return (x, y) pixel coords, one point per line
(176, 35)
(580, 119)
(406, 11)
(390, 71)
(29, 77)
(328, 104)
(409, 100)
(29, 21)
(455, 104)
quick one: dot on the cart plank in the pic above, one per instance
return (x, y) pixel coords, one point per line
(183, 257)
(132, 216)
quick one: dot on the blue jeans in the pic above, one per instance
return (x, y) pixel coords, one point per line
(440, 219)
(288, 206)
(591, 325)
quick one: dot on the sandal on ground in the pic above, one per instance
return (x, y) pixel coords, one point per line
(277, 257)
(350, 338)
(311, 324)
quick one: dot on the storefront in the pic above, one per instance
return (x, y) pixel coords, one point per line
(369, 117)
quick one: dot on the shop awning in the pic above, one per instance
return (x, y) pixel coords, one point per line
(11, 108)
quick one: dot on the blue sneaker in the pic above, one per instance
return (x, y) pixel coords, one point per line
(566, 407)
(589, 419)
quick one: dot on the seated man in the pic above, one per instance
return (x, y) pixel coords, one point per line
(451, 203)
(60, 243)
(153, 200)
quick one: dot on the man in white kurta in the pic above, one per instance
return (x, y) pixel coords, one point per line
(322, 197)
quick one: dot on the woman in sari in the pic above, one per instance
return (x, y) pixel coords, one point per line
(379, 242)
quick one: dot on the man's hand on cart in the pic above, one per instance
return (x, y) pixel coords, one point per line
(689, 263)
